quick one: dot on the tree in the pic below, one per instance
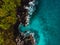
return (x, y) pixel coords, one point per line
(8, 13)
(7, 19)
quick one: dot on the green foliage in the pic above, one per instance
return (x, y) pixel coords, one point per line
(8, 13)
(3, 13)
(9, 5)
(1, 39)
(7, 19)
(6, 38)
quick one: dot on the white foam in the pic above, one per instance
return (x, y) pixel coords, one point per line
(31, 3)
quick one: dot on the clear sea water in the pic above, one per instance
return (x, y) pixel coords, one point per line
(45, 23)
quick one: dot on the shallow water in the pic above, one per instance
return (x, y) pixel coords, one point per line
(46, 22)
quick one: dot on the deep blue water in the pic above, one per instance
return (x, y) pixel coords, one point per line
(45, 22)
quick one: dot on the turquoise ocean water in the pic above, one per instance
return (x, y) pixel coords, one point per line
(45, 22)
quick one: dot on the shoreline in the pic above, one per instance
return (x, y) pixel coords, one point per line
(23, 17)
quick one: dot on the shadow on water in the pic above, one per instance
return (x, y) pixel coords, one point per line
(38, 4)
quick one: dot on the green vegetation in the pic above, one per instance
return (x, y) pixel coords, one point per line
(8, 13)
(7, 19)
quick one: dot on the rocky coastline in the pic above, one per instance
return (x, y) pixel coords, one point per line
(22, 18)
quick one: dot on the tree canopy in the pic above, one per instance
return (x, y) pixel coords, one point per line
(8, 13)
(7, 19)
